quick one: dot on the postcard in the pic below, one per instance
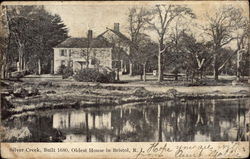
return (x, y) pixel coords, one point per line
(125, 79)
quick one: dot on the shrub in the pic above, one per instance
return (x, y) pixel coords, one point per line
(106, 78)
(199, 83)
(60, 70)
(172, 93)
(93, 75)
(141, 91)
(102, 78)
(65, 71)
(86, 75)
(19, 74)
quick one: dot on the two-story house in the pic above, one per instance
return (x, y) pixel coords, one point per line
(91, 52)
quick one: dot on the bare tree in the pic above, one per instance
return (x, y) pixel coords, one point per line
(221, 28)
(146, 52)
(137, 20)
(163, 16)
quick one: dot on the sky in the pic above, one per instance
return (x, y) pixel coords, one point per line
(82, 16)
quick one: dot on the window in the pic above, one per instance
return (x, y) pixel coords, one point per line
(63, 63)
(70, 52)
(93, 61)
(63, 52)
(83, 62)
(71, 63)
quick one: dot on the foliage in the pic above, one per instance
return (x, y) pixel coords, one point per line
(197, 55)
(65, 71)
(245, 64)
(93, 75)
(33, 34)
(105, 78)
(86, 75)
(221, 28)
(61, 69)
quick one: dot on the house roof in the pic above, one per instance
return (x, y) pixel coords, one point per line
(124, 38)
(83, 43)
(119, 34)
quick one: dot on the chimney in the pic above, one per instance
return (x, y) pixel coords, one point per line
(116, 27)
(90, 35)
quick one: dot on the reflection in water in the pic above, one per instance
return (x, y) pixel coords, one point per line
(193, 120)
(81, 119)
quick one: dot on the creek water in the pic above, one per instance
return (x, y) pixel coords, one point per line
(191, 120)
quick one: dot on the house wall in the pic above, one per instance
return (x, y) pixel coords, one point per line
(57, 60)
(103, 57)
(119, 57)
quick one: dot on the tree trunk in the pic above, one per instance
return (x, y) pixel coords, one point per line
(52, 66)
(192, 78)
(24, 63)
(216, 74)
(39, 66)
(87, 60)
(144, 72)
(238, 66)
(201, 75)
(159, 68)
(87, 64)
(131, 73)
(187, 75)
(160, 73)
(21, 53)
(215, 67)
(176, 77)
(20, 62)
(117, 74)
(3, 65)
(7, 72)
(3, 71)
(141, 72)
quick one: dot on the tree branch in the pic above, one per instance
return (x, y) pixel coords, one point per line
(228, 41)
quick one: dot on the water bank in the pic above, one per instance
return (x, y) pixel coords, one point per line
(47, 95)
